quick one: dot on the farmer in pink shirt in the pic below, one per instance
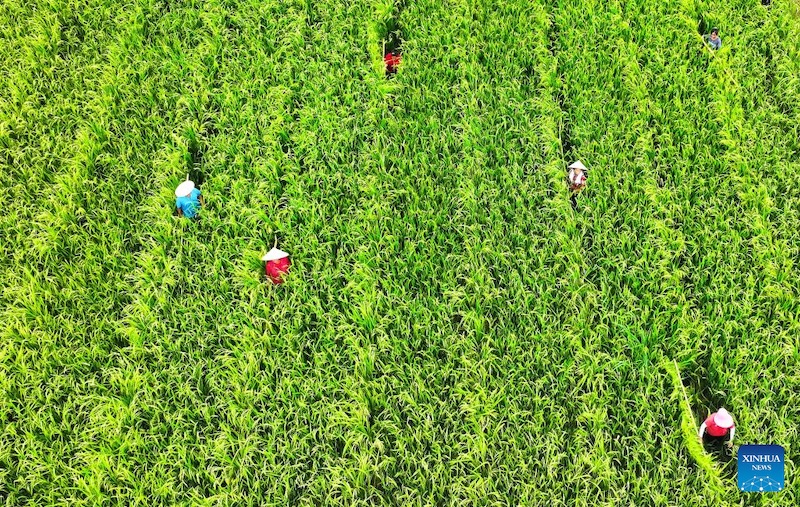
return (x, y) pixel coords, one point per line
(717, 426)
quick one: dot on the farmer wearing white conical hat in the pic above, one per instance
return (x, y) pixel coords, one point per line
(577, 176)
(277, 264)
(717, 426)
(188, 199)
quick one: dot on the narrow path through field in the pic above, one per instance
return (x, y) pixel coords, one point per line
(623, 115)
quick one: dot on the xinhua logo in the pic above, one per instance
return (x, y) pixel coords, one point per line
(761, 468)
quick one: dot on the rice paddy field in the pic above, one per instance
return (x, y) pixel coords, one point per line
(454, 330)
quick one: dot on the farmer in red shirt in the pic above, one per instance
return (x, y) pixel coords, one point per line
(392, 61)
(277, 265)
(717, 426)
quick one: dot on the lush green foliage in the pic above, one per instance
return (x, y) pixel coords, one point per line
(453, 332)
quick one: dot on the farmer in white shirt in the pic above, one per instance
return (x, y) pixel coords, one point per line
(577, 177)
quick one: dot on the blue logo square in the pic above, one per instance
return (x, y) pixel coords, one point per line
(761, 468)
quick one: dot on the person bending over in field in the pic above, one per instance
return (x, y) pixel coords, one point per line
(188, 199)
(713, 39)
(576, 177)
(392, 61)
(716, 428)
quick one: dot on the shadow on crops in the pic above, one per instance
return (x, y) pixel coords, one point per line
(724, 458)
(285, 143)
(565, 128)
(119, 340)
(392, 35)
(705, 399)
(194, 161)
(769, 66)
(703, 27)
(392, 46)
(702, 397)
(393, 41)
(71, 34)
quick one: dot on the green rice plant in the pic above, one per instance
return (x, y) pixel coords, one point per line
(454, 331)
(689, 429)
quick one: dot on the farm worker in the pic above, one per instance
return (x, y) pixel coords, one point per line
(713, 39)
(718, 425)
(577, 176)
(278, 263)
(188, 199)
(392, 61)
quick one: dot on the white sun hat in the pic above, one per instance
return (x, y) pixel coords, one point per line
(723, 419)
(274, 255)
(184, 188)
(578, 165)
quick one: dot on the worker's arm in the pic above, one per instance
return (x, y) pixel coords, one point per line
(202, 200)
(702, 430)
(180, 212)
(730, 442)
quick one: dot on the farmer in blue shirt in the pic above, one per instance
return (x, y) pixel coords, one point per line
(189, 199)
(713, 39)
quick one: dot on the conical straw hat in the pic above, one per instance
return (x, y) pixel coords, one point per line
(184, 188)
(274, 255)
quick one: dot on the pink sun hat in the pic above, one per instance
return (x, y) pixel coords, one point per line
(723, 418)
